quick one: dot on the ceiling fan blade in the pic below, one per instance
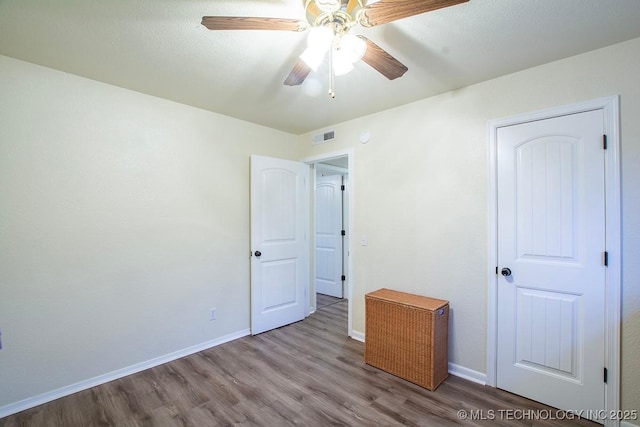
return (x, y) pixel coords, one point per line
(382, 61)
(299, 73)
(391, 10)
(252, 23)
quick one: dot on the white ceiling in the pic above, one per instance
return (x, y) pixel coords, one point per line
(158, 47)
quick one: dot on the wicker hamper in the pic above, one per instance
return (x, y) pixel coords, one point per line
(407, 336)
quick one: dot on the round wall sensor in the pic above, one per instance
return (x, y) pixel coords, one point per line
(365, 137)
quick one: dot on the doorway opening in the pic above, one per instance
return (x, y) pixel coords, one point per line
(331, 197)
(331, 224)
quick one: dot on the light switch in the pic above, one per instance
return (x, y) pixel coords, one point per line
(364, 240)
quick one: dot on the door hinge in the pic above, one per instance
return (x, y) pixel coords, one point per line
(344, 277)
(343, 232)
(604, 376)
(342, 187)
(606, 259)
(604, 142)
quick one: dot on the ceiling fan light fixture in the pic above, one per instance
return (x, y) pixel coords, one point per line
(354, 47)
(319, 41)
(320, 38)
(347, 50)
(313, 58)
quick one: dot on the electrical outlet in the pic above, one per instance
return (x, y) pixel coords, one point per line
(212, 313)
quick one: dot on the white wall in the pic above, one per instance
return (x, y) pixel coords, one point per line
(421, 193)
(123, 218)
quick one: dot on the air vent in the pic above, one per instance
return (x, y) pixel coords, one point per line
(324, 137)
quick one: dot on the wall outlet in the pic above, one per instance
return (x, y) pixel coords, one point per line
(212, 313)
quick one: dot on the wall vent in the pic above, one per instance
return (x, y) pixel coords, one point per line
(324, 137)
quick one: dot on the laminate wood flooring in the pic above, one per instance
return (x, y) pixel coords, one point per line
(308, 373)
(325, 300)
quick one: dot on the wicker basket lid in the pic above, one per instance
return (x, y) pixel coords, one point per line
(413, 300)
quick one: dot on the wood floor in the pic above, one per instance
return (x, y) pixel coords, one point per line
(309, 373)
(325, 300)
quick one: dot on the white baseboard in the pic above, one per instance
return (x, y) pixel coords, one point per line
(467, 374)
(40, 399)
(357, 335)
(457, 370)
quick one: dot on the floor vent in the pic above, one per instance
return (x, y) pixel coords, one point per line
(324, 137)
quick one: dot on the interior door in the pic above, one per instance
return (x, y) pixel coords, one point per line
(279, 243)
(328, 242)
(551, 243)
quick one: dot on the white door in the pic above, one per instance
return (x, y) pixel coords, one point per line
(279, 244)
(551, 236)
(328, 204)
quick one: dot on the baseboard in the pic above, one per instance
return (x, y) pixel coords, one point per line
(457, 370)
(40, 399)
(467, 374)
(356, 335)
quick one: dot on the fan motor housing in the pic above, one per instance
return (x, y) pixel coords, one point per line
(342, 14)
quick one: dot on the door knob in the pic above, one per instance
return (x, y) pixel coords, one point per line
(257, 253)
(506, 272)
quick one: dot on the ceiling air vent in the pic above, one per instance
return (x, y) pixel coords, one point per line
(324, 137)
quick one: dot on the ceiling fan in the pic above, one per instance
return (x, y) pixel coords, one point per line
(330, 23)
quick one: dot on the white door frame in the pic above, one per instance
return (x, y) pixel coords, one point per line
(610, 107)
(322, 158)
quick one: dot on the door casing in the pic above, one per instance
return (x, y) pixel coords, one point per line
(610, 107)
